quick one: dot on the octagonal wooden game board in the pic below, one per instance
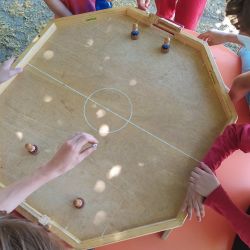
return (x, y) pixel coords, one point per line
(154, 114)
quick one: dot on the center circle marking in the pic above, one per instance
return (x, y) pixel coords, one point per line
(90, 98)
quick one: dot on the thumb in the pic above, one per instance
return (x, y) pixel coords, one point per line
(15, 71)
(206, 168)
(87, 152)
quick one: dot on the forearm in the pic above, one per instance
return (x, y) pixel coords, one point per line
(240, 221)
(58, 8)
(13, 195)
(223, 146)
(232, 38)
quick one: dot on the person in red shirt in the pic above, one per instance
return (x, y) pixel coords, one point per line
(204, 182)
(184, 12)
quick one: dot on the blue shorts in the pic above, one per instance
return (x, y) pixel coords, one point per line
(245, 62)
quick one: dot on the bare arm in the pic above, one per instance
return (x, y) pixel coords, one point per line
(214, 37)
(58, 8)
(69, 155)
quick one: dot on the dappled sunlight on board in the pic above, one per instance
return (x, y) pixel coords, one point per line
(100, 218)
(132, 82)
(89, 43)
(104, 130)
(100, 113)
(48, 54)
(100, 186)
(141, 164)
(114, 172)
(106, 58)
(47, 98)
(19, 135)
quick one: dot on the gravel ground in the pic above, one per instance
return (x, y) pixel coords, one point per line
(21, 20)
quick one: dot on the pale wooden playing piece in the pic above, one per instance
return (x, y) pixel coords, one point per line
(30, 148)
(135, 27)
(167, 40)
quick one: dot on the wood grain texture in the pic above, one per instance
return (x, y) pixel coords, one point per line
(135, 182)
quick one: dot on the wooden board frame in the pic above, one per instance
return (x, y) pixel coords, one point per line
(149, 19)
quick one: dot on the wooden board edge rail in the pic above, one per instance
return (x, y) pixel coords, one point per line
(31, 51)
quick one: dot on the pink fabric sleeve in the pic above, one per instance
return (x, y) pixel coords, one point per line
(240, 221)
(234, 137)
(79, 6)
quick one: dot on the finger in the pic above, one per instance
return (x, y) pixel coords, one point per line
(84, 143)
(202, 36)
(15, 71)
(205, 34)
(7, 64)
(206, 168)
(87, 152)
(192, 180)
(75, 137)
(147, 3)
(82, 138)
(91, 139)
(194, 175)
(189, 210)
(199, 171)
(201, 208)
(184, 205)
(197, 210)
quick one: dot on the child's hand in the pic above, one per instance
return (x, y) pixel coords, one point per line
(203, 180)
(71, 153)
(6, 72)
(193, 201)
(214, 37)
(143, 4)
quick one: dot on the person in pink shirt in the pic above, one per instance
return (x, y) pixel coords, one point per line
(204, 182)
(184, 12)
(62, 8)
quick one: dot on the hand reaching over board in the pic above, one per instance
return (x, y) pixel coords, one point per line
(6, 71)
(71, 153)
(203, 180)
(193, 201)
(215, 37)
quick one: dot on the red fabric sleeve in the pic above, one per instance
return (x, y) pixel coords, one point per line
(234, 137)
(240, 221)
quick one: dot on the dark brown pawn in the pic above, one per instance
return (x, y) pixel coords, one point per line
(78, 203)
(32, 149)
